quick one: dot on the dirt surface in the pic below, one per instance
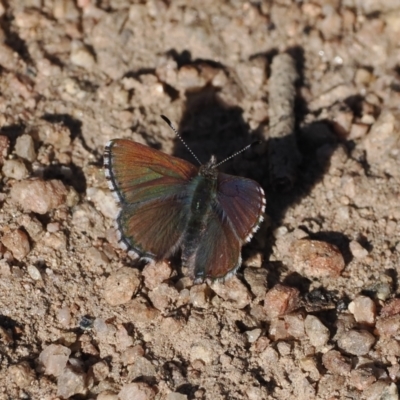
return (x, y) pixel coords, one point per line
(314, 310)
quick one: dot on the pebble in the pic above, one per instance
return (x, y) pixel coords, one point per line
(163, 296)
(354, 342)
(357, 131)
(206, 350)
(357, 250)
(364, 310)
(391, 308)
(121, 285)
(281, 300)
(234, 292)
(64, 316)
(382, 138)
(295, 325)
(388, 326)
(25, 148)
(257, 280)
(335, 363)
(4, 147)
(34, 273)
(176, 396)
(361, 378)
(278, 330)
(17, 242)
(137, 391)
(129, 356)
(100, 371)
(32, 225)
(381, 390)
(58, 135)
(54, 359)
(316, 331)
(96, 257)
(71, 382)
(107, 395)
(39, 196)
(316, 259)
(15, 169)
(104, 202)
(81, 56)
(140, 311)
(22, 374)
(200, 295)
(155, 273)
(253, 335)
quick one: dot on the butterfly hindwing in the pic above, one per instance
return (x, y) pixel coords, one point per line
(242, 202)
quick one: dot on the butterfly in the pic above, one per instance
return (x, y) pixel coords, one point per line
(168, 204)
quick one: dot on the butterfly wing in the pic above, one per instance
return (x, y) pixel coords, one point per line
(236, 214)
(151, 188)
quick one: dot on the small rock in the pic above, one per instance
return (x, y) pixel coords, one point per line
(39, 196)
(4, 146)
(137, 391)
(316, 259)
(96, 257)
(361, 378)
(82, 57)
(64, 316)
(364, 310)
(207, 350)
(316, 331)
(32, 226)
(357, 131)
(22, 374)
(391, 308)
(257, 280)
(163, 296)
(281, 300)
(189, 79)
(104, 202)
(155, 273)
(15, 169)
(200, 295)
(107, 395)
(130, 355)
(54, 359)
(100, 371)
(357, 250)
(382, 138)
(176, 396)
(336, 363)
(34, 273)
(18, 243)
(121, 285)
(25, 148)
(278, 330)
(253, 335)
(140, 311)
(381, 390)
(71, 382)
(141, 366)
(58, 135)
(358, 343)
(388, 326)
(234, 292)
(295, 325)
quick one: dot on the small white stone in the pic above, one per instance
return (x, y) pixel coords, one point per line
(25, 148)
(14, 169)
(34, 273)
(253, 335)
(357, 250)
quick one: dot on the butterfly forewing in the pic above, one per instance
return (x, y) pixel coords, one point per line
(152, 189)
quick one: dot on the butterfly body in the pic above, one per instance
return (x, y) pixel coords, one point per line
(169, 204)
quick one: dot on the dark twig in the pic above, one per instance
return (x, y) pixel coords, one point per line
(284, 156)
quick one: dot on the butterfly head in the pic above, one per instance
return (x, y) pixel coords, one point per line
(208, 170)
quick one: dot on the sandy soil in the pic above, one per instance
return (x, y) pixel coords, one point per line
(314, 310)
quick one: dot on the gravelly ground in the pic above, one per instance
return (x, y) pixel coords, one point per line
(79, 319)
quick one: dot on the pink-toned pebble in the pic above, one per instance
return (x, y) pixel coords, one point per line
(71, 382)
(295, 325)
(234, 292)
(388, 326)
(200, 295)
(17, 242)
(357, 250)
(278, 330)
(39, 196)
(358, 131)
(281, 300)
(121, 285)
(54, 359)
(316, 259)
(64, 316)
(336, 363)
(131, 354)
(140, 311)
(156, 272)
(137, 391)
(364, 310)
(361, 378)
(53, 227)
(392, 307)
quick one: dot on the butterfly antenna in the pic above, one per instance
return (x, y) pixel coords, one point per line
(180, 137)
(238, 152)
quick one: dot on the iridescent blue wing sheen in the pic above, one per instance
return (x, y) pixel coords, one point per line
(236, 214)
(151, 188)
